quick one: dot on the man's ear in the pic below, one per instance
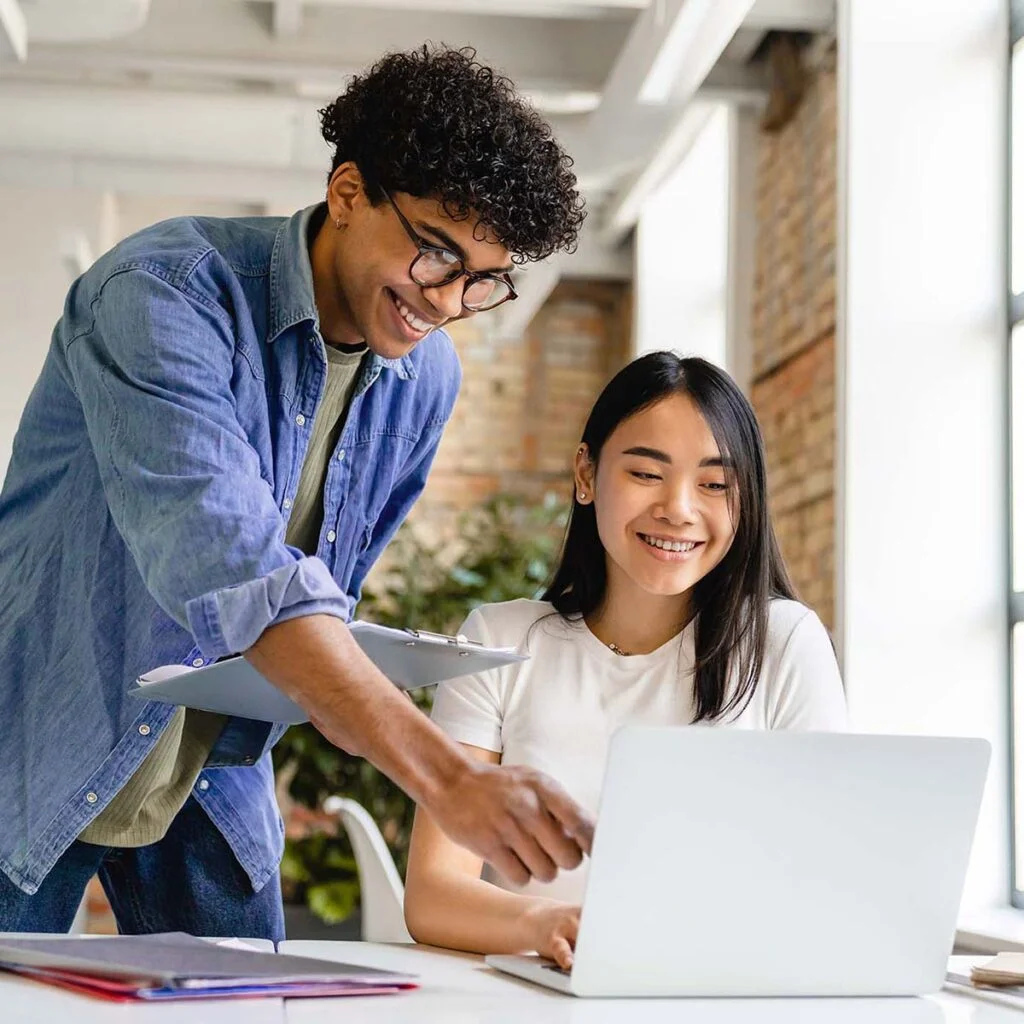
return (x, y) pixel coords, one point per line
(345, 192)
(585, 472)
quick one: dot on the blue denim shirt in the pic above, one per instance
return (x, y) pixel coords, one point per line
(143, 516)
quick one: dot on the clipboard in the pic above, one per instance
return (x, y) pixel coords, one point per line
(410, 658)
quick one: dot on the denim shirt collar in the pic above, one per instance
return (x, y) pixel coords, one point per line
(292, 299)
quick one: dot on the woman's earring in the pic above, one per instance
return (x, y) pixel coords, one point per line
(583, 495)
(337, 223)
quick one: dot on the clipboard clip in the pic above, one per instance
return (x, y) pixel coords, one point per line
(456, 641)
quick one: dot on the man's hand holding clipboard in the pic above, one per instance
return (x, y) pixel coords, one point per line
(518, 820)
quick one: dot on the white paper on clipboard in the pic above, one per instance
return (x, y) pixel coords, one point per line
(410, 658)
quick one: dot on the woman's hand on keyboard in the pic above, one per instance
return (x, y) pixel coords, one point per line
(554, 927)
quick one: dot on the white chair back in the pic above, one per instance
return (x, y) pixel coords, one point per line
(382, 892)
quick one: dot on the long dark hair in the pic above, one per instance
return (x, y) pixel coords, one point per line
(731, 601)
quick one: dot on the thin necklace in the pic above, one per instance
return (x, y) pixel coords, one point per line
(620, 651)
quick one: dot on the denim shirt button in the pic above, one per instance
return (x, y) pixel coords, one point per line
(91, 798)
(248, 760)
(287, 503)
(300, 420)
(197, 662)
(341, 455)
(331, 536)
(204, 784)
(144, 730)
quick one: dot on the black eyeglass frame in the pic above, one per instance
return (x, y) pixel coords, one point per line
(423, 247)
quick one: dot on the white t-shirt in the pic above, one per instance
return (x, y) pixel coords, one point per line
(557, 711)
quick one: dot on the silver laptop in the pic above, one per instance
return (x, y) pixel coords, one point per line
(735, 863)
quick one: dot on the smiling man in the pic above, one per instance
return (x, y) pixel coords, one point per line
(233, 419)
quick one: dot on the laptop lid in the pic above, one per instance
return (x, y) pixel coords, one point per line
(735, 863)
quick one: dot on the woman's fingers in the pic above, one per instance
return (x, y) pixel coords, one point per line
(561, 952)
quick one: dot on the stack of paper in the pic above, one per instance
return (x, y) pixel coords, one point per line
(179, 966)
(1004, 971)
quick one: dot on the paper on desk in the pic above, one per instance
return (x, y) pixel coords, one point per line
(1006, 969)
(239, 944)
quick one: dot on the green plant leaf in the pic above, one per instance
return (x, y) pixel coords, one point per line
(292, 866)
(333, 902)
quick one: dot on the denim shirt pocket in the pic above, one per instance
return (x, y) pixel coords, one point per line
(380, 461)
(376, 460)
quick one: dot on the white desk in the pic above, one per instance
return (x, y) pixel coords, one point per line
(459, 989)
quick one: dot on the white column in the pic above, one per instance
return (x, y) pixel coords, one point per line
(682, 252)
(921, 491)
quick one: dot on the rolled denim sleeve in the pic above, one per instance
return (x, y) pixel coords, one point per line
(185, 487)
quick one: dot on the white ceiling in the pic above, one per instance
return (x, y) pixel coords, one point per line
(218, 98)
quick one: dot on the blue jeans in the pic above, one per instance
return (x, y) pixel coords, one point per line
(189, 881)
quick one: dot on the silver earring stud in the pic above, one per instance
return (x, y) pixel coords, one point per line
(583, 495)
(337, 223)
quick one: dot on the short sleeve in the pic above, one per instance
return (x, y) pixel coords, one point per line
(469, 709)
(808, 689)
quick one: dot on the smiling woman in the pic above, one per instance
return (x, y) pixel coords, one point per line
(671, 605)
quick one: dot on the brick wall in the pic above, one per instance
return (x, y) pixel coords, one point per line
(524, 401)
(793, 333)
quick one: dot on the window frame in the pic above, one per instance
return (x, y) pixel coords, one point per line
(1015, 537)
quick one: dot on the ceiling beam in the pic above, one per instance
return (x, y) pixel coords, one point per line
(691, 45)
(667, 60)
(592, 9)
(311, 80)
(341, 40)
(286, 18)
(624, 210)
(237, 128)
(793, 15)
(13, 32)
(292, 188)
(743, 85)
(671, 49)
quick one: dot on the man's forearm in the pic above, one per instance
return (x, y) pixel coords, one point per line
(316, 662)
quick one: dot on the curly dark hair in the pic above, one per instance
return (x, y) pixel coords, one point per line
(435, 122)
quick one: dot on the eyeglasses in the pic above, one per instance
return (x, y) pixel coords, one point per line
(435, 266)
